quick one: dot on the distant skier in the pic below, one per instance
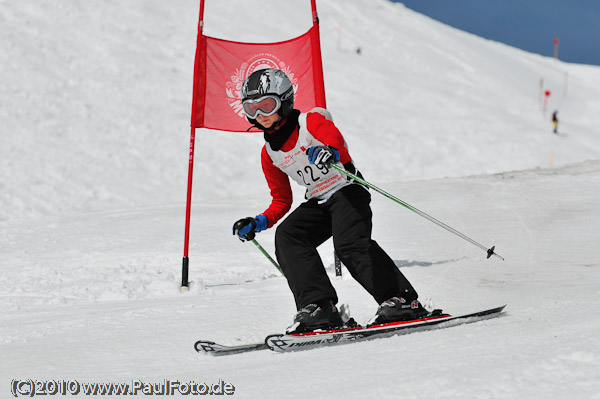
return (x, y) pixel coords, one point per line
(301, 146)
(555, 121)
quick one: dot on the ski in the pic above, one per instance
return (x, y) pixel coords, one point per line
(318, 339)
(214, 349)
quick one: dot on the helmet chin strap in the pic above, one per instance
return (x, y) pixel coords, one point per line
(275, 126)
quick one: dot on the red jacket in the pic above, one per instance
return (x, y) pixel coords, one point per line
(321, 129)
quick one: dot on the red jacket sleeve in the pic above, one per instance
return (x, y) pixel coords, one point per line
(327, 133)
(281, 191)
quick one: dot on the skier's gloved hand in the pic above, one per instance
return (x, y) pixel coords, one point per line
(322, 155)
(247, 228)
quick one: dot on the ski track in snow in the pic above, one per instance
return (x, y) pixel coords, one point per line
(93, 169)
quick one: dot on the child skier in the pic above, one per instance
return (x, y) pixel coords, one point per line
(302, 147)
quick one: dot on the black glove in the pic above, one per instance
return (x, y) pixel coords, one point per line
(247, 228)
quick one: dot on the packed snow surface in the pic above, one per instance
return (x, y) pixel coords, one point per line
(94, 117)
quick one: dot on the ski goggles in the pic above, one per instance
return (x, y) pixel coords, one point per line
(266, 105)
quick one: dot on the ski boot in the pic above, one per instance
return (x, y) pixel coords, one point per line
(398, 309)
(323, 315)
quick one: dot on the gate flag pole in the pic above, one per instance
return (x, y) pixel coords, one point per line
(185, 285)
(317, 61)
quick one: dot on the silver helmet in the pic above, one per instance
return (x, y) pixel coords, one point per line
(269, 81)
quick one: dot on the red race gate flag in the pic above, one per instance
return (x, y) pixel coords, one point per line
(220, 68)
(222, 65)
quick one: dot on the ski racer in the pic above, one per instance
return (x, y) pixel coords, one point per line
(301, 147)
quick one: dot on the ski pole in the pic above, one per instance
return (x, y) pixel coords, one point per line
(265, 253)
(490, 251)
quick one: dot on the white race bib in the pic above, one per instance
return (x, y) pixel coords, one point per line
(320, 181)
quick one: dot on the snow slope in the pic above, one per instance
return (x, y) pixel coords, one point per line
(94, 118)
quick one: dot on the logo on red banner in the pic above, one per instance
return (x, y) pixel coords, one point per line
(256, 62)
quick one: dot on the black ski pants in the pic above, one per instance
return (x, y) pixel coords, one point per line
(347, 217)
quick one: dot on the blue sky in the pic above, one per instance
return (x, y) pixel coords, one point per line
(527, 24)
